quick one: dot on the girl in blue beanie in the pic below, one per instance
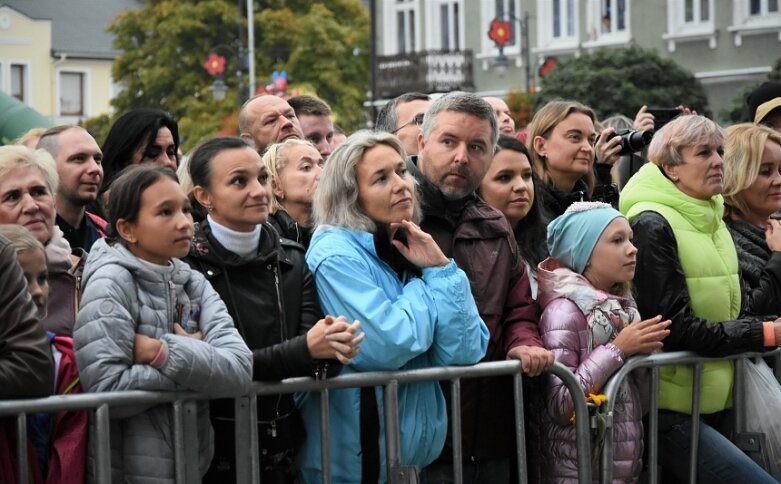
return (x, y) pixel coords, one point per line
(591, 323)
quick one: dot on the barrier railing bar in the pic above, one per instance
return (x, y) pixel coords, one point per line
(695, 415)
(102, 444)
(21, 446)
(325, 444)
(520, 430)
(738, 396)
(192, 442)
(456, 431)
(653, 429)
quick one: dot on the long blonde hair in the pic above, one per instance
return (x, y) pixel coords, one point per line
(743, 148)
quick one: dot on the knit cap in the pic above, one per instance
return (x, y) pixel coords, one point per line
(573, 235)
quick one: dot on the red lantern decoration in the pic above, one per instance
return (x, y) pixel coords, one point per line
(215, 64)
(500, 32)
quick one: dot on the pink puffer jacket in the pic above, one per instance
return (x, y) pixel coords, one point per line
(565, 331)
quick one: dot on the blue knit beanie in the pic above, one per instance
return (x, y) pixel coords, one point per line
(573, 235)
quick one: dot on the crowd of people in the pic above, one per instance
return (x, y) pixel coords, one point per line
(441, 237)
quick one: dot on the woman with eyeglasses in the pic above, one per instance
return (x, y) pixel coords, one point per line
(142, 135)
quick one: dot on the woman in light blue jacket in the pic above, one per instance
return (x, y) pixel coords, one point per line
(149, 322)
(372, 263)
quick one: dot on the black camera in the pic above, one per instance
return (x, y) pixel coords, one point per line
(632, 141)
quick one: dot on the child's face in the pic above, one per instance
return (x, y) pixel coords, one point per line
(33, 262)
(164, 227)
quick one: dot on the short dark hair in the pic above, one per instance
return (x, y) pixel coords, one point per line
(387, 118)
(199, 164)
(127, 134)
(309, 105)
(124, 201)
(49, 139)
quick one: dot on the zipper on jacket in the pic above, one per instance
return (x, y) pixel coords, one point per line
(283, 329)
(172, 299)
(77, 297)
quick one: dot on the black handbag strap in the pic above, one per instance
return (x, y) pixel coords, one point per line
(370, 437)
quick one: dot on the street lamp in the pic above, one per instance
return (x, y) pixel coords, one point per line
(215, 66)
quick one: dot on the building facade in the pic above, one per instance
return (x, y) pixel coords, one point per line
(726, 44)
(56, 56)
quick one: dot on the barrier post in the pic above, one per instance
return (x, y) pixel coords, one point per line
(520, 429)
(455, 435)
(245, 411)
(325, 443)
(186, 445)
(21, 448)
(102, 444)
(653, 428)
(695, 437)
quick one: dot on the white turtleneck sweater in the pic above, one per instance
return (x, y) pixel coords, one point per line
(243, 244)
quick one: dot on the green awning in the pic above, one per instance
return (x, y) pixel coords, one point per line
(16, 118)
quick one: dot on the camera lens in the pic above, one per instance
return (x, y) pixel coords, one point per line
(632, 141)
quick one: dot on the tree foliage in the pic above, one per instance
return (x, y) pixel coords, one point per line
(623, 80)
(165, 43)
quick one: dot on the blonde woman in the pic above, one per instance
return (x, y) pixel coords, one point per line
(752, 193)
(294, 167)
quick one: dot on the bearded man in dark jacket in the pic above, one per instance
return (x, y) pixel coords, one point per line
(456, 145)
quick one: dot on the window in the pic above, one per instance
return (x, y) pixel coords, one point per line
(608, 22)
(755, 17)
(19, 82)
(449, 32)
(690, 21)
(72, 94)
(557, 26)
(507, 10)
(401, 35)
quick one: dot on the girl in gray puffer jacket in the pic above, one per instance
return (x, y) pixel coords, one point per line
(591, 324)
(148, 322)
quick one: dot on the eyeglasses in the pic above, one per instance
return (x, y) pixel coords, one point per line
(417, 120)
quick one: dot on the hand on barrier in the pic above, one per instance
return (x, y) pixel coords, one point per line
(145, 349)
(416, 245)
(534, 359)
(334, 338)
(643, 337)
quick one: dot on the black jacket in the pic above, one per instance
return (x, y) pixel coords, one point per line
(660, 287)
(289, 228)
(273, 303)
(555, 201)
(760, 270)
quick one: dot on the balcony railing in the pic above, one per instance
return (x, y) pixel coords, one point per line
(427, 71)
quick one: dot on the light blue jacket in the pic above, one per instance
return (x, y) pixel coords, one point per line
(410, 323)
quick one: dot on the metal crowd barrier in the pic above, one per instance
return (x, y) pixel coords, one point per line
(653, 362)
(247, 446)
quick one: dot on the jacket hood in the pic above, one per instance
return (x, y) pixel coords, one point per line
(650, 187)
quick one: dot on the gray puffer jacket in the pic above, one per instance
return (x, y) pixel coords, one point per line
(124, 296)
(579, 324)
